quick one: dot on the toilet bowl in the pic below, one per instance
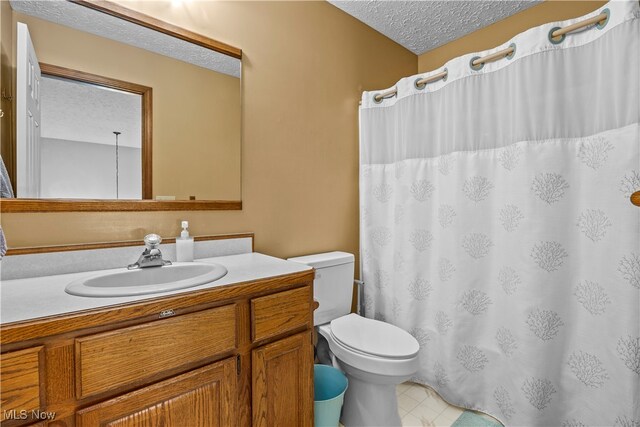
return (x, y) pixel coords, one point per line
(375, 356)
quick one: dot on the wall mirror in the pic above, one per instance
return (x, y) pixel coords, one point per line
(115, 110)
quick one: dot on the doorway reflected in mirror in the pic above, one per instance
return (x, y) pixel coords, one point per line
(91, 141)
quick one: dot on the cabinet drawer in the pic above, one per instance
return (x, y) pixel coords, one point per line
(131, 355)
(279, 313)
(20, 374)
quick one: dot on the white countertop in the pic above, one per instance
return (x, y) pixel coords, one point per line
(32, 298)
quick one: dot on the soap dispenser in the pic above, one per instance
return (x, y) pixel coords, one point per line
(184, 244)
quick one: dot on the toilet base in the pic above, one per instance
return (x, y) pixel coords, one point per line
(368, 404)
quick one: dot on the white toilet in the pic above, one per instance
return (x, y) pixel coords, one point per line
(375, 356)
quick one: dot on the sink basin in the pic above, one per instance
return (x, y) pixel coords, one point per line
(179, 275)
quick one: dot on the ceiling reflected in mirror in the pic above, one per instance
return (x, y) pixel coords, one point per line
(100, 24)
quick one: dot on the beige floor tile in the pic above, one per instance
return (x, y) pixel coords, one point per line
(427, 423)
(452, 412)
(422, 411)
(407, 402)
(402, 412)
(444, 421)
(413, 421)
(435, 402)
(403, 387)
(418, 392)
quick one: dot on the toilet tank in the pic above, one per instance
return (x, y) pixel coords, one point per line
(333, 285)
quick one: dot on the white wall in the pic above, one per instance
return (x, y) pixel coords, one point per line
(85, 170)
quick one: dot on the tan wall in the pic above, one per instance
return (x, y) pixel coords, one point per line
(500, 32)
(304, 68)
(196, 112)
(305, 65)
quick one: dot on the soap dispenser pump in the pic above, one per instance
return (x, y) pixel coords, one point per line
(184, 244)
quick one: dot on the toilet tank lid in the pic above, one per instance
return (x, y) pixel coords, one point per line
(327, 259)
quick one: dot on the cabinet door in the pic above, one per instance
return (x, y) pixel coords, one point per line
(20, 384)
(202, 397)
(283, 382)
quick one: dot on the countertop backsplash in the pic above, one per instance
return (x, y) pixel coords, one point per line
(53, 263)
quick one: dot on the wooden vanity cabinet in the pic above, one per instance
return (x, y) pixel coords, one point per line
(236, 355)
(282, 379)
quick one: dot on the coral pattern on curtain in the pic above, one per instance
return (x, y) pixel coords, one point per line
(496, 225)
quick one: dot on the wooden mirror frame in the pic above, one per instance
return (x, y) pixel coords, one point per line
(108, 205)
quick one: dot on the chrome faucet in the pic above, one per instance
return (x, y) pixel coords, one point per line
(151, 257)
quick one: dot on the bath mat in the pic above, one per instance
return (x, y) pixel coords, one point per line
(469, 419)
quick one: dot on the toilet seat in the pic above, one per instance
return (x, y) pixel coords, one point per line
(374, 338)
(355, 353)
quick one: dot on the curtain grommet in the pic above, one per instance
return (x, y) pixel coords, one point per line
(444, 79)
(600, 25)
(558, 39)
(512, 54)
(418, 86)
(476, 67)
(376, 100)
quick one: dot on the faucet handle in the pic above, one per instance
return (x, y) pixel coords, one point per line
(152, 241)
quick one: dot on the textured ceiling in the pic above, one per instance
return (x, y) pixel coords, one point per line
(424, 25)
(100, 24)
(75, 111)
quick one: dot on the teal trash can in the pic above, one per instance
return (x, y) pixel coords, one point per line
(329, 385)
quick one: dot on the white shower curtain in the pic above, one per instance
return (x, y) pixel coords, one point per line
(496, 225)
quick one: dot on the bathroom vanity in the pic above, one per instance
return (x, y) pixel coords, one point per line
(236, 353)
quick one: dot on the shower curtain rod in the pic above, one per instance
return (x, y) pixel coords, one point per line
(498, 55)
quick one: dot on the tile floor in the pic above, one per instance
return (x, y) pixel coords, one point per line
(421, 406)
